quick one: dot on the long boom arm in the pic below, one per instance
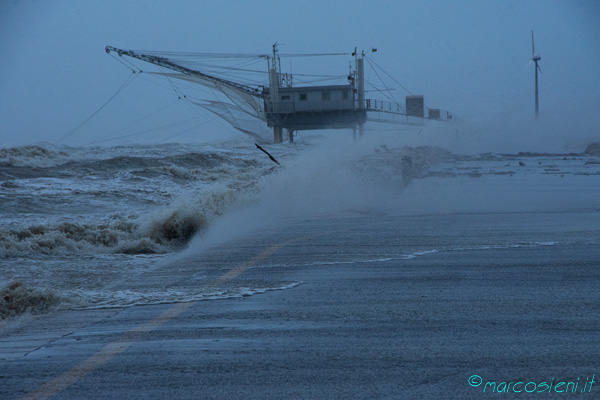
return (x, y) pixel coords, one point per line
(165, 62)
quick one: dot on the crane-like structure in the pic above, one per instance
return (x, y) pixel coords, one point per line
(282, 105)
(166, 63)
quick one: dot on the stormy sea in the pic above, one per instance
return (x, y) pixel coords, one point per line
(81, 226)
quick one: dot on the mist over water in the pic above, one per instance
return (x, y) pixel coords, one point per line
(456, 168)
(331, 175)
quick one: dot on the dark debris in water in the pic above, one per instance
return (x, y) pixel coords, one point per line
(16, 299)
(177, 228)
(593, 149)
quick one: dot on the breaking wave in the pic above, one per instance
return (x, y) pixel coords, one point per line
(32, 156)
(36, 161)
(17, 299)
(130, 200)
(157, 215)
(165, 231)
(191, 166)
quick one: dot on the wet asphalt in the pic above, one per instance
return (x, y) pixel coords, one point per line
(404, 307)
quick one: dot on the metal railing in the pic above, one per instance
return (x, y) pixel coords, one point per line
(398, 109)
(311, 106)
(385, 106)
(353, 105)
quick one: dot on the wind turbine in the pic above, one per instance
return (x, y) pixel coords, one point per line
(535, 58)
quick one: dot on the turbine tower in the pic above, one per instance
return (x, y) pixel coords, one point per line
(535, 58)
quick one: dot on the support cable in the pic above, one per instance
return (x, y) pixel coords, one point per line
(381, 80)
(140, 120)
(129, 79)
(392, 78)
(149, 130)
(384, 91)
(189, 129)
(123, 63)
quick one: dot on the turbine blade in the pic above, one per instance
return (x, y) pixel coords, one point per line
(528, 64)
(532, 45)
(538, 67)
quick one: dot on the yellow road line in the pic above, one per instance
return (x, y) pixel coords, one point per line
(115, 348)
(259, 257)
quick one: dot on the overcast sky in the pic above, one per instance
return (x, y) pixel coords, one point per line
(465, 56)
